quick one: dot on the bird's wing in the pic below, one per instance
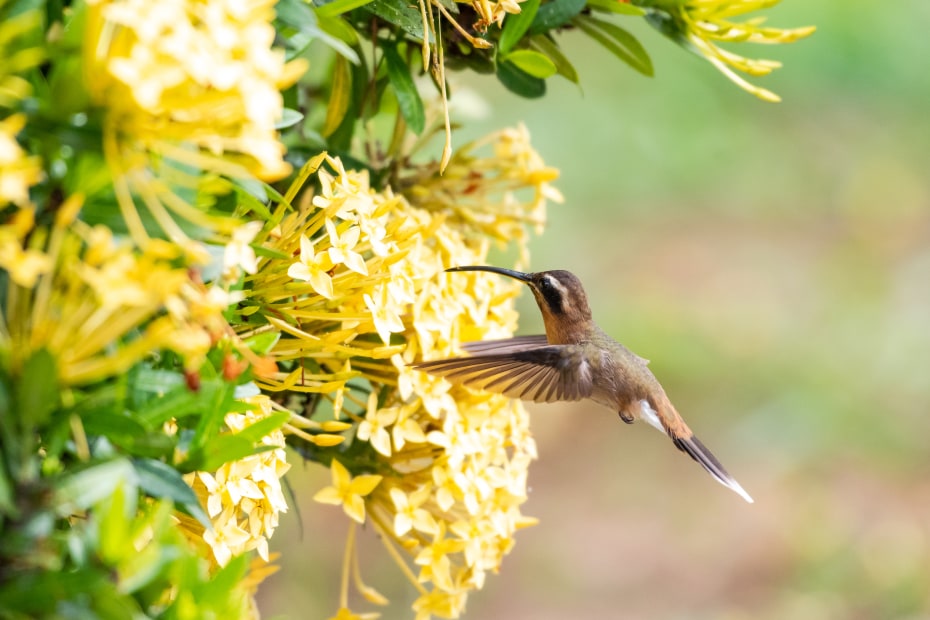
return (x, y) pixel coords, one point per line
(507, 345)
(542, 374)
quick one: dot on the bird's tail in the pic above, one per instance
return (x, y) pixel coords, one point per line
(693, 447)
(685, 441)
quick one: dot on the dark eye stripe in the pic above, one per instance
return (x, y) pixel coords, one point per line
(552, 295)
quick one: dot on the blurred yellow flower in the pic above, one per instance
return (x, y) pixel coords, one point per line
(185, 84)
(701, 24)
(18, 171)
(99, 306)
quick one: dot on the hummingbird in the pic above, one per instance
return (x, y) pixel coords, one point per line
(574, 360)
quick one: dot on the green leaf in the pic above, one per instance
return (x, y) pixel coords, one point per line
(297, 15)
(163, 481)
(402, 14)
(263, 342)
(520, 82)
(516, 25)
(178, 403)
(338, 7)
(37, 390)
(84, 488)
(221, 450)
(618, 41)
(140, 569)
(339, 97)
(546, 46)
(114, 525)
(615, 6)
(339, 28)
(289, 118)
(554, 14)
(408, 97)
(216, 400)
(226, 582)
(155, 381)
(534, 63)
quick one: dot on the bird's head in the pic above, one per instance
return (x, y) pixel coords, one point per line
(560, 296)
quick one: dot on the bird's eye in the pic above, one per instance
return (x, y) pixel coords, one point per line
(551, 293)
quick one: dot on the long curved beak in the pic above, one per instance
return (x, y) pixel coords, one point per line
(517, 275)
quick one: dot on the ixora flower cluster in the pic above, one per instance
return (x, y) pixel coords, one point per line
(195, 289)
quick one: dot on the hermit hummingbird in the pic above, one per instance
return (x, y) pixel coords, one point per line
(574, 360)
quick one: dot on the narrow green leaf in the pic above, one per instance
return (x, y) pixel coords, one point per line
(338, 7)
(114, 527)
(289, 118)
(339, 97)
(545, 45)
(534, 63)
(520, 82)
(516, 25)
(159, 480)
(616, 6)
(554, 14)
(618, 41)
(37, 390)
(408, 97)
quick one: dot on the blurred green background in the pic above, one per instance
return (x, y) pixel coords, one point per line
(773, 261)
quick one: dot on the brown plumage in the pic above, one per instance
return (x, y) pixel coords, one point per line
(574, 360)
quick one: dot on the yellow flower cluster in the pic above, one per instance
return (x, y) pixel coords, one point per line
(705, 23)
(191, 82)
(243, 498)
(77, 291)
(364, 295)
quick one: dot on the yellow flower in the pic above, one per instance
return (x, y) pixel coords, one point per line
(313, 267)
(410, 515)
(238, 254)
(493, 12)
(347, 491)
(384, 313)
(373, 428)
(341, 248)
(699, 25)
(18, 172)
(24, 266)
